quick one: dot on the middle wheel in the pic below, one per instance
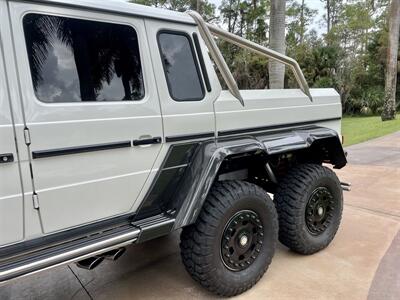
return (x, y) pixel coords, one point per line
(232, 243)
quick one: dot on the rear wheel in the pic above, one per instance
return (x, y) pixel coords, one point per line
(309, 201)
(231, 244)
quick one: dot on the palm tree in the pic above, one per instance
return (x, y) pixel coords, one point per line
(277, 42)
(100, 50)
(389, 107)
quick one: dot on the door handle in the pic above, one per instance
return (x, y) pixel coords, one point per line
(6, 158)
(149, 141)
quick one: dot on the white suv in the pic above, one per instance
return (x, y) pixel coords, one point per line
(114, 130)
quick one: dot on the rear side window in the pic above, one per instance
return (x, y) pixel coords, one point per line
(73, 60)
(180, 66)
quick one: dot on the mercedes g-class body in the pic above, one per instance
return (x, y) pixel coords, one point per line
(114, 130)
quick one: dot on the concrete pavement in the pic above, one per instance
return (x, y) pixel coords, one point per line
(362, 262)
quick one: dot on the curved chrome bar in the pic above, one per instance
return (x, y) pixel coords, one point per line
(207, 30)
(216, 55)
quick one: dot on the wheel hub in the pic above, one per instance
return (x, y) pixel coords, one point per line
(242, 240)
(319, 210)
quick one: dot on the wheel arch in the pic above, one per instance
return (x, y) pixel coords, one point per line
(206, 164)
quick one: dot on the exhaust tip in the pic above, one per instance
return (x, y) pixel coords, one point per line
(114, 254)
(90, 263)
(346, 186)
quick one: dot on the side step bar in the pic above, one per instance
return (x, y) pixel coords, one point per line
(64, 256)
(89, 251)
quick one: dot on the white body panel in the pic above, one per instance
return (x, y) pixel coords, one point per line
(82, 188)
(265, 108)
(11, 198)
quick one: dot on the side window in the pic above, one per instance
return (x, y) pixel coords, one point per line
(73, 60)
(180, 66)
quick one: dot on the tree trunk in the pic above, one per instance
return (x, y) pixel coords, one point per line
(389, 106)
(328, 16)
(277, 43)
(302, 22)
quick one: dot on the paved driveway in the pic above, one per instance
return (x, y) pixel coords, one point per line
(362, 262)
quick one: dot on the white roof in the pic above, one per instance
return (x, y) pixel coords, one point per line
(124, 7)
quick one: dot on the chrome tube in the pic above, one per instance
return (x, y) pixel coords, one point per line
(78, 254)
(207, 30)
(216, 55)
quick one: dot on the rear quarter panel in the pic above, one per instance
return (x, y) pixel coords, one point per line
(275, 108)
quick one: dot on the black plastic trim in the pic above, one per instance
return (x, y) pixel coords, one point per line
(160, 196)
(185, 137)
(271, 127)
(150, 141)
(80, 149)
(154, 227)
(201, 60)
(62, 237)
(6, 158)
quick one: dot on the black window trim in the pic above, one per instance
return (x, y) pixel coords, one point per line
(201, 60)
(196, 63)
(94, 103)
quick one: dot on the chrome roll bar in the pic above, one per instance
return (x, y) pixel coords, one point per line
(207, 32)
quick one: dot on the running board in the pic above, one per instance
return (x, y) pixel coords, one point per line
(154, 227)
(97, 245)
(68, 253)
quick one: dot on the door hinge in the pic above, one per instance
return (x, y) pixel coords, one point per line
(35, 199)
(27, 136)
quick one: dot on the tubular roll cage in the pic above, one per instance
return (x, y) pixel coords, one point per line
(207, 32)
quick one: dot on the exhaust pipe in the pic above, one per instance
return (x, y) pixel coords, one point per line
(114, 254)
(345, 186)
(90, 263)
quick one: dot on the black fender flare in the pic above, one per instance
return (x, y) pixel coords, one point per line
(209, 156)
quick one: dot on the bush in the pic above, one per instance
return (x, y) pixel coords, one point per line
(374, 97)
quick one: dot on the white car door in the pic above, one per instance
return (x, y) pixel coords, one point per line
(91, 108)
(187, 83)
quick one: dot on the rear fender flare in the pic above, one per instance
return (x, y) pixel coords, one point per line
(204, 167)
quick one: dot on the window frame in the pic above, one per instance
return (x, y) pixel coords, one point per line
(90, 19)
(202, 62)
(196, 63)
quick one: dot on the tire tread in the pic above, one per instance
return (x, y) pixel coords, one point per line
(195, 249)
(290, 209)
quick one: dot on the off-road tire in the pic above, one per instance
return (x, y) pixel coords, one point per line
(201, 243)
(292, 199)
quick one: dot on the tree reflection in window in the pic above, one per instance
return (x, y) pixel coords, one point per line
(180, 66)
(75, 60)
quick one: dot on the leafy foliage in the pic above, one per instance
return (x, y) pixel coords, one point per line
(349, 56)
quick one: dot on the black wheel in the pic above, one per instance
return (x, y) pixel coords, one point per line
(231, 245)
(309, 201)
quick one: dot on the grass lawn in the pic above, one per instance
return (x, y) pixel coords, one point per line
(360, 129)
